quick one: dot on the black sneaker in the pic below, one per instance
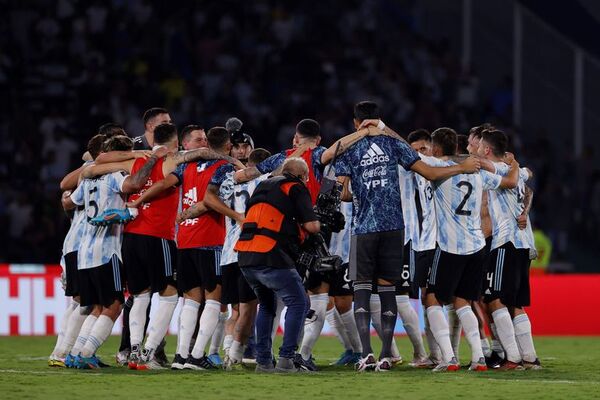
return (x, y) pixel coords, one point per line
(178, 362)
(494, 361)
(306, 365)
(199, 364)
(160, 356)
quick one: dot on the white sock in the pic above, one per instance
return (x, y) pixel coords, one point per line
(74, 325)
(351, 330)
(525, 337)
(469, 323)
(236, 352)
(227, 341)
(506, 334)
(410, 320)
(137, 317)
(208, 323)
(64, 323)
(82, 337)
(454, 327)
(217, 338)
(496, 345)
(159, 323)
(434, 349)
(485, 346)
(187, 326)
(98, 335)
(278, 311)
(441, 332)
(337, 326)
(312, 330)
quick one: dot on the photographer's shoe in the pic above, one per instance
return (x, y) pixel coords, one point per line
(367, 363)
(286, 366)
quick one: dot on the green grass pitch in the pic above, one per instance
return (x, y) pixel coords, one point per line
(571, 371)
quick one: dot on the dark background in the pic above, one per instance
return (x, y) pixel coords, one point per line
(67, 67)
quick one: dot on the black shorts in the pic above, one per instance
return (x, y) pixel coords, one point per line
(405, 284)
(423, 263)
(72, 288)
(486, 262)
(507, 276)
(149, 262)
(198, 268)
(102, 285)
(235, 287)
(454, 275)
(376, 255)
(340, 283)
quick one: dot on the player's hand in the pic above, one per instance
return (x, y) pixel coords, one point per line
(180, 218)
(87, 157)
(142, 153)
(374, 131)
(66, 194)
(240, 219)
(471, 165)
(522, 221)
(298, 151)
(238, 165)
(368, 122)
(160, 152)
(133, 204)
(509, 157)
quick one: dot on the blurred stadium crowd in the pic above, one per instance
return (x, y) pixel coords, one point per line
(68, 66)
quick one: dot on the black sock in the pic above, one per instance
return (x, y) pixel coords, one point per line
(125, 335)
(389, 313)
(362, 314)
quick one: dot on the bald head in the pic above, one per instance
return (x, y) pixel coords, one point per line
(296, 166)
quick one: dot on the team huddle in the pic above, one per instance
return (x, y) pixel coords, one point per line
(429, 218)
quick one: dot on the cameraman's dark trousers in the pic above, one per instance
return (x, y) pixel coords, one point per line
(268, 282)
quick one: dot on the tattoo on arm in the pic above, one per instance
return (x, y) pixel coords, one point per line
(139, 178)
(528, 199)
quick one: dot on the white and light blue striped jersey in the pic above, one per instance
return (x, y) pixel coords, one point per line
(428, 228)
(409, 206)
(505, 206)
(99, 243)
(340, 241)
(458, 208)
(236, 196)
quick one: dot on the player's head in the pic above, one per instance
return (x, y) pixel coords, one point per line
(462, 144)
(444, 142)
(118, 143)
(94, 146)
(493, 144)
(257, 156)
(365, 110)
(111, 129)
(218, 139)
(242, 146)
(166, 135)
(155, 116)
(193, 137)
(420, 141)
(296, 167)
(475, 136)
(308, 131)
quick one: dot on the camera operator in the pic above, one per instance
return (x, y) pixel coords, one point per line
(279, 215)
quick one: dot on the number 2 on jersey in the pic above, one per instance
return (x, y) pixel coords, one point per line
(459, 210)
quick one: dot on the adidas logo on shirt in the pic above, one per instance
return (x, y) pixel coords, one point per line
(190, 197)
(374, 156)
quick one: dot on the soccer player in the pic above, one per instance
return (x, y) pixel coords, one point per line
(193, 137)
(152, 118)
(456, 273)
(371, 166)
(75, 315)
(99, 260)
(507, 290)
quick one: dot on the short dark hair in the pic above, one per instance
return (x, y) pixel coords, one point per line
(153, 112)
(366, 110)
(118, 143)
(308, 128)
(419, 134)
(164, 133)
(445, 138)
(217, 137)
(94, 146)
(476, 131)
(462, 141)
(111, 129)
(497, 140)
(187, 130)
(258, 155)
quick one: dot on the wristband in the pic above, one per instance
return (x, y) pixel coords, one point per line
(381, 125)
